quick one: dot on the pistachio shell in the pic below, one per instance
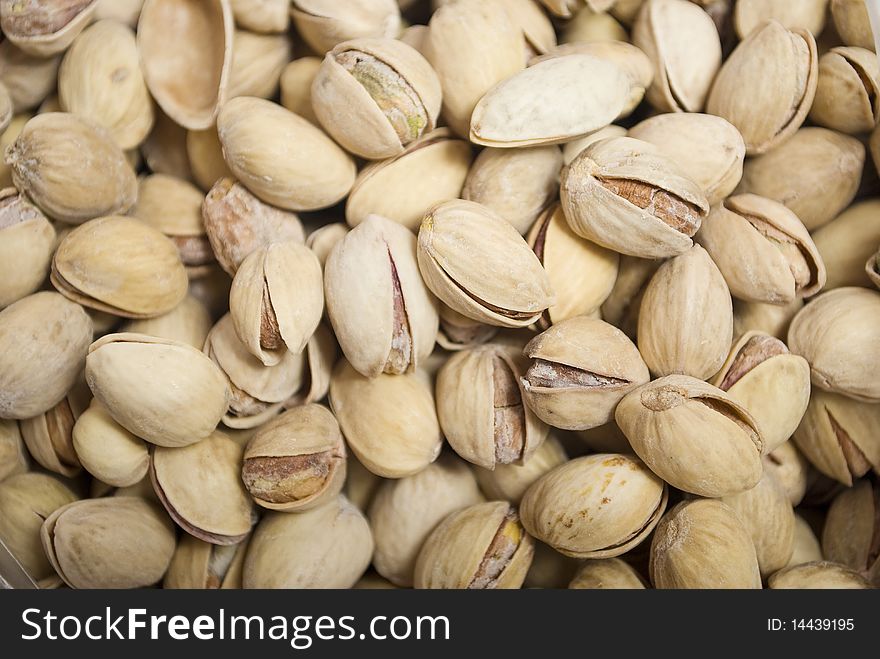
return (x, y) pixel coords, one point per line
(848, 536)
(164, 150)
(770, 319)
(124, 11)
(846, 95)
(27, 241)
(458, 332)
(263, 16)
(872, 268)
(852, 22)
(790, 468)
(607, 574)
(534, 23)
(323, 239)
(321, 353)
(200, 565)
(107, 450)
(807, 14)
(847, 242)
(594, 27)
(169, 204)
(13, 455)
(257, 63)
(28, 79)
(205, 155)
(48, 436)
(806, 546)
(818, 575)
(509, 482)
(189, 322)
(296, 86)
(325, 23)
(41, 28)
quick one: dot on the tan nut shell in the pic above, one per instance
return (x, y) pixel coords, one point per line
(49, 436)
(164, 150)
(296, 86)
(321, 353)
(40, 29)
(14, 458)
(189, 322)
(29, 80)
(846, 95)
(27, 242)
(107, 450)
(607, 574)
(325, 23)
(790, 468)
(169, 204)
(805, 14)
(200, 565)
(806, 546)
(323, 239)
(853, 22)
(872, 269)
(510, 482)
(205, 155)
(257, 63)
(818, 575)
(263, 16)
(847, 242)
(850, 527)
(145, 382)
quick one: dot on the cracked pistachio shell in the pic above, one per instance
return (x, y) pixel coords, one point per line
(100, 79)
(119, 542)
(481, 547)
(49, 436)
(186, 55)
(45, 27)
(772, 384)
(580, 369)
(840, 436)
(775, 261)
(459, 332)
(257, 63)
(25, 501)
(481, 408)
(852, 530)
(282, 158)
(14, 459)
(597, 506)
(45, 338)
(703, 544)
(296, 461)
(478, 264)
(818, 575)
(767, 85)
(200, 486)
(708, 149)
(197, 564)
(238, 223)
(431, 170)
(189, 322)
(258, 391)
(626, 195)
(816, 193)
(165, 392)
(838, 333)
(515, 183)
(790, 468)
(325, 23)
(205, 155)
(320, 353)
(847, 91)
(108, 451)
(382, 314)
(404, 512)
(553, 101)
(27, 242)
(509, 482)
(853, 23)
(376, 96)
(29, 80)
(686, 317)
(276, 300)
(472, 46)
(806, 546)
(296, 86)
(70, 168)
(683, 44)
(325, 547)
(389, 421)
(693, 435)
(534, 23)
(804, 14)
(263, 16)
(607, 574)
(120, 265)
(581, 272)
(847, 242)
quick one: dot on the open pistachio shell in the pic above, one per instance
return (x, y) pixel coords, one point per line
(853, 23)
(42, 28)
(107, 450)
(320, 353)
(200, 565)
(27, 241)
(49, 436)
(847, 91)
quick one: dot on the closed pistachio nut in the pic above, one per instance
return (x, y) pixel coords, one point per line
(14, 457)
(257, 63)
(376, 96)
(806, 546)
(849, 536)
(703, 544)
(197, 564)
(49, 436)
(189, 322)
(120, 265)
(580, 369)
(45, 27)
(625, 194)
(846, 95)
(478, 264)
(818, 575)
(45, 339)
(27, 241)
(325, 547)
(775, 260)
(145, 381)
(107, 450)
(607, 574)
(693, 435)
(838, 334)
(790, 468)
(481, 547)
(282, 158)
(404, 512)
(296, 86)
(383, 315)
(123, 542)
(806, 14)
(263, 16)
(509, 482)
(686, 317)
(297, 461)
(325, 23)
(848, 242)
(852, 22)
(48, 165)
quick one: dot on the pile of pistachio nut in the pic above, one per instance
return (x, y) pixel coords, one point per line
(440, 294)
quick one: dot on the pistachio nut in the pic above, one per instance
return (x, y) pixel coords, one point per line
(282, 158)
(549, 568)
(14, 458)
(404, 512)
(518, 184)
(536, 27)
(49, 436)
(458, 332)
(48, 166)
(607, 574)
(686, 317)
(621, 307)
(123, 542)
(703, 544)
(430, 170)
(44, 27)
(767, 85)
(775, 261)
(296, 86)
(144, 381)
(124, 11)
(325, 547)
(107, 450)
(296, 461)
(120, 265)
(580, 369)
(693, 435)
(847, 91)
(607, 438)
(838, 333)
(257, 63)
(851, 535)
(186, 57)
(570, 150)
(478, 264)
(683, 44)
(807, 15)
(873, 144)
(212, 290)
(205, 155)
(262, 16)
(45, 338)
(852, 22)
(28, 79)
(376, 96)
(6, 108)
(389, 421)
(847, 242)
(509, 482)
(27, 241)
(595, 27)
(818, 575)
(323, 239)
(320, 356)
(790, 468)
(7, 137)
(361, 484)
(806, 546)
(199, 564)
(25, 501)
(769, 319)
(164, 149)
(872, 268)
(325, 23)
(816, 193)
(626, 195)
(480, 547)
(382, 314)
(189, 322)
